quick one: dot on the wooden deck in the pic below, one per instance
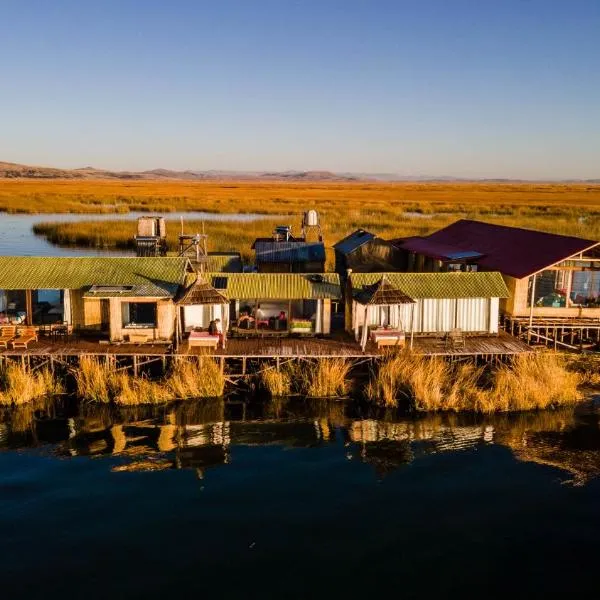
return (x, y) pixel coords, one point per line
(341, 345)
(345, 346)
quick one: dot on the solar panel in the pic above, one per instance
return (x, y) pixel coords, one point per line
(113, 289)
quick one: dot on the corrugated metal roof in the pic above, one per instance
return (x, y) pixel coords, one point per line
(228, 262)
(436, 285)
(277, 286)
(353, 241)
(154, 277)
(511, 250)
(289, 252)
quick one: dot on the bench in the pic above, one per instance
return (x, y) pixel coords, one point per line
(139, 337)
(388, 337)
(203, 339)
(7, 334)
(26, 335)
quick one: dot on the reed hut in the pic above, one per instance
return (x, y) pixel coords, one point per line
(115, 298)
(553, 280)
(423, 303)
(278, 303)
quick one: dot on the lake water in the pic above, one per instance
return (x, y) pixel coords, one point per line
(297, 500)
(18, 239)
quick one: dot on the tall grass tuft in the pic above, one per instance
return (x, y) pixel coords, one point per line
(95, 380)
(277, 382)
(21, 385)
(201, 378)
(534, 381)
(131, 391)
(324, 378)
(529, 382)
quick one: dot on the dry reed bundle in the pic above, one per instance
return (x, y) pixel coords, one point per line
(324, 377)
(21, 385)
(201, 378)
(95, 380)
(529, 382)
(277, 382)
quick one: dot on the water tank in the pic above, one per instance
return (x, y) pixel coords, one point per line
(311, 218)
(151, 227)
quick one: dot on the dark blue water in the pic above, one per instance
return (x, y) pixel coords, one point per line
(297, 500)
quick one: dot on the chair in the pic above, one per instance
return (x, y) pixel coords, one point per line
(26, 335)
(455, 338)
(7, 334)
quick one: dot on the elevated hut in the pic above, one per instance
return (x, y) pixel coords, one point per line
(423, 303)
(115, 298)
(553, 280)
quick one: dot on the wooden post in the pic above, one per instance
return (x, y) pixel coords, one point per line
(531, 302)
(29, 307)
(135, 365)
(412, 324)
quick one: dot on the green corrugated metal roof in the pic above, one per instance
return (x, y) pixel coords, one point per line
(276, 286)
(226, 262)
(153, 277)
(438, 285)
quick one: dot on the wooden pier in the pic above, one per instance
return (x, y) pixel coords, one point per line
(577, 334)
(240, 355)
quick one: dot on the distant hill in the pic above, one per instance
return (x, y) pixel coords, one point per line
(10, 170)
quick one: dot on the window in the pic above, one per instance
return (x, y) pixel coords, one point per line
(139, 314)
(553, 286)
(550, 289)
(585, 288)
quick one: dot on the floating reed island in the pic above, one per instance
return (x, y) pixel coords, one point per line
(444, 322)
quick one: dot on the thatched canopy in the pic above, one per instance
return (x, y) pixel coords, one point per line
(382, 293)
(201, 292)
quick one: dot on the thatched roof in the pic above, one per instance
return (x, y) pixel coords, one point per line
(201, 292)
(382, 293)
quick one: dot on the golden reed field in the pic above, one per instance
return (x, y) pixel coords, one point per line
(389, 209)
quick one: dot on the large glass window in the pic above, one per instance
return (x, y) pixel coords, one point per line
(564, 288)
(585, 288)
(550, 289)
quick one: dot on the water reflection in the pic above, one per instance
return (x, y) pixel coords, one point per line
(202, 435)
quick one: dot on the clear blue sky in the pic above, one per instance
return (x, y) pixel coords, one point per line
(476, 88)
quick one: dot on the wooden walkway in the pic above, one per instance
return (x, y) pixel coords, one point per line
(341, 345)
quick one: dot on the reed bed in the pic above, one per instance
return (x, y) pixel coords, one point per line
(200, 378)
(21, 385)
(324, 377)
(277, 382)
(529, 382)
(390, 210)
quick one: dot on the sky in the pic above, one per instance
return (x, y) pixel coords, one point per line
(466, 88)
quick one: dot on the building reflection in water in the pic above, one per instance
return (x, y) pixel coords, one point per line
(200, 435)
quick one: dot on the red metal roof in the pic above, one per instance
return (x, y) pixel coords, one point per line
(511, 250)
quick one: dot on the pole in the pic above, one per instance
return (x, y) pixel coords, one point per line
(531, 301)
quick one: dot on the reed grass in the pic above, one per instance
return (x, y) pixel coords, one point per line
(390, 210)
(21, 385)
(324, 377)
(534, 381)
(530, 382)
(96, 381)
(199, 378)
(277, 382)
